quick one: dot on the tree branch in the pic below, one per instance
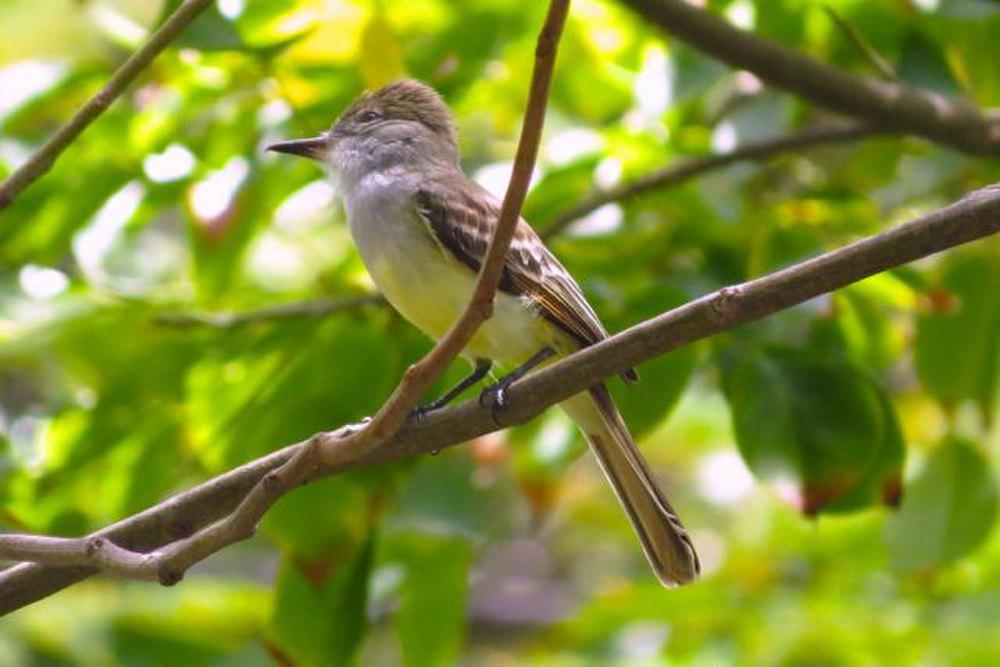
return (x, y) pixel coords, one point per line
(975, 216)
(43, 159)
(683, 170)
(888, 104)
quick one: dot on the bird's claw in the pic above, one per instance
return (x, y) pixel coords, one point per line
(495, 396)
(418, 413)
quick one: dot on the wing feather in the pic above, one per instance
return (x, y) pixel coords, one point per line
(462, 222)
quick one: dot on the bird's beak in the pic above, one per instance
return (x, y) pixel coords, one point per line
(316, 148)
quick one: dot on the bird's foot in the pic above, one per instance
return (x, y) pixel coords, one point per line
(495, 396)
(421, 411)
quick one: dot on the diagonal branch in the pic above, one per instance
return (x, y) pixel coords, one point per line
(685, 169)
(42, 160)
(890, 104)
(975, 216)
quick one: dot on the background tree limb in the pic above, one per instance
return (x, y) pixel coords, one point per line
(43, 159)
(890, 104)
(975, 216)
(683, 170)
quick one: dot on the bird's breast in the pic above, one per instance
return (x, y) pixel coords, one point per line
(429, 287)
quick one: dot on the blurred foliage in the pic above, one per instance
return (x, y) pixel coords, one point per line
(511, 548)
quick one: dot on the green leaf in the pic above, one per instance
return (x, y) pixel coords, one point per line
(549, 197)
(922, 64)
(958, 340)
(297, 528)
(858, 328)
(947, 511)
(978, 75)
(210, 31)
(218, 244)
(321, 619)
(431, 618)
(820, 428)
(273, 24)
(441, 492)
(338, 371)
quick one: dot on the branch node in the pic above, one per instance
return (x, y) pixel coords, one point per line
(413, 373)
(104, 98)
(726, 302)
(168, 575)
(485, 307)
(93, 546)
(272, 480)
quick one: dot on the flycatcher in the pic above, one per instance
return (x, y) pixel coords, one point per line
(422, 228)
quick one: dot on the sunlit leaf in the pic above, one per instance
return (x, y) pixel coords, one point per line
(383, 61)
(209, 32)
(270, 24)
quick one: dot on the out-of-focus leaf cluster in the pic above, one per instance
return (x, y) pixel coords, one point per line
(870, 411)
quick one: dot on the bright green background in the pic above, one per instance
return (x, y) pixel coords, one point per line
(511, 548)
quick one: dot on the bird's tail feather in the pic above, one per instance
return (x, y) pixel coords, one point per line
(663, 537)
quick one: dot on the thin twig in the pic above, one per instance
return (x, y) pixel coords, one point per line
(43, 159)
(975, 216)
(316, 308)
(881, 65)
(889, 104)
(683, 170)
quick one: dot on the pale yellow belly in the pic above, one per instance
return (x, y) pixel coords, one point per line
(432, 294)
(431, 289)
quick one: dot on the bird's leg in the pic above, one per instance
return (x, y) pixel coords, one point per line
(483, 367)
(496, 395)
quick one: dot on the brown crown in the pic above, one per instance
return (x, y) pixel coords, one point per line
(408, 99)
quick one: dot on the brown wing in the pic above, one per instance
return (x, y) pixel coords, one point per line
(462, 221)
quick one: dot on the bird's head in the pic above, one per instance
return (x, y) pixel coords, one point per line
(403, 122)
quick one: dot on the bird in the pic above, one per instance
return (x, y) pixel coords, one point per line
(422, 228)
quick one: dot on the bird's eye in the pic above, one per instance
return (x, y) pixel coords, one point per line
(368, 116)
